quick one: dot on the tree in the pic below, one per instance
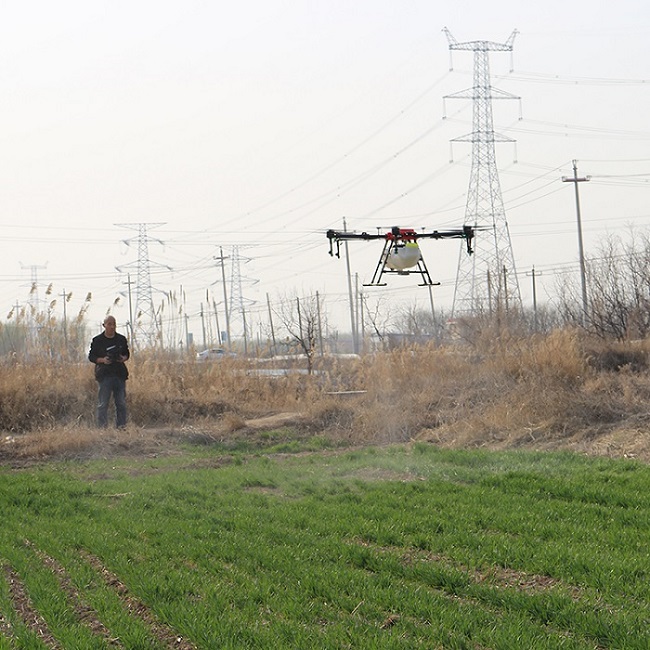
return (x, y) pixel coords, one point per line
(618, 290)
(418, 325)
(377, 318)
(301, 319)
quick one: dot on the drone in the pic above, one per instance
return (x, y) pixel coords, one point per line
(401, 254)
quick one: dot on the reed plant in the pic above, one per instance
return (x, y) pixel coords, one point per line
(505, 391)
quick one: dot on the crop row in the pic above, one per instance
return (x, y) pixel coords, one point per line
(24, 623)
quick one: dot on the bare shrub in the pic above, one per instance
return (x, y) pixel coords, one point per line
(330, 414)
(554, 358)
(616, 355)
(233, 422)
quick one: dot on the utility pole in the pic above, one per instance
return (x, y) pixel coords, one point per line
(434, 328)
(186, 319)
(489, 291)
(362, 322)
(216, 319)
(534, 275)
(575, 179)
(128, 284)
(268, 305)
(205, 345)
(357, 314)
(353, 322)
(222, 259)
(65, 320)
(243, 316)
(433, 310)
(302, 338)
(320, 325)
(209, 335)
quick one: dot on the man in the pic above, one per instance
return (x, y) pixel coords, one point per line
(108, 351)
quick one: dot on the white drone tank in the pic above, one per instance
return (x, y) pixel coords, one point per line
(404, 256)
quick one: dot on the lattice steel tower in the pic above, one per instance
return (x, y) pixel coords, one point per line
(238, 303)
(486, 282)
(145, 328)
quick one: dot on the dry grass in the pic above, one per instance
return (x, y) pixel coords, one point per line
(554, 391)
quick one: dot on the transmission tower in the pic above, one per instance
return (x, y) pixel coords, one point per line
(145, 329)
(237, 301)
(34, 297)
(486, 281)
(34, 301)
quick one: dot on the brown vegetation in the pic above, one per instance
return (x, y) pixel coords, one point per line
(561, 390)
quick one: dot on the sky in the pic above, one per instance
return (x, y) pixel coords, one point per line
(248, 129)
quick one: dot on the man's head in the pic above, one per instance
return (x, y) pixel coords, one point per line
(110, 326)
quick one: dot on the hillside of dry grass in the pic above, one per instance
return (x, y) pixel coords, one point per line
(559, 391)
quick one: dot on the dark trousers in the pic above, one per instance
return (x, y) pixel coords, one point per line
(115, 386)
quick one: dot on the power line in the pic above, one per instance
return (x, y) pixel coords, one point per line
(549, 78)
(350, 151)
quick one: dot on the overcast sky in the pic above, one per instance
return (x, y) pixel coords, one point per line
(261, 124)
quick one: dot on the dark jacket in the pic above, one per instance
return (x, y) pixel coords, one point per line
(102, 346)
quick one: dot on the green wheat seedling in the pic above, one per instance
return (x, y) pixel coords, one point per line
(394, 547)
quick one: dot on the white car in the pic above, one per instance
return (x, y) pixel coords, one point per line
(213, 354)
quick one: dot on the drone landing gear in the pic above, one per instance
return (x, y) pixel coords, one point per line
(424, 272)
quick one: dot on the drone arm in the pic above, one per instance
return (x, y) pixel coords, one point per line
(466, 233)
(342, 235)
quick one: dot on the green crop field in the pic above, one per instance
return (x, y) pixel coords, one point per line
(392, 547)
